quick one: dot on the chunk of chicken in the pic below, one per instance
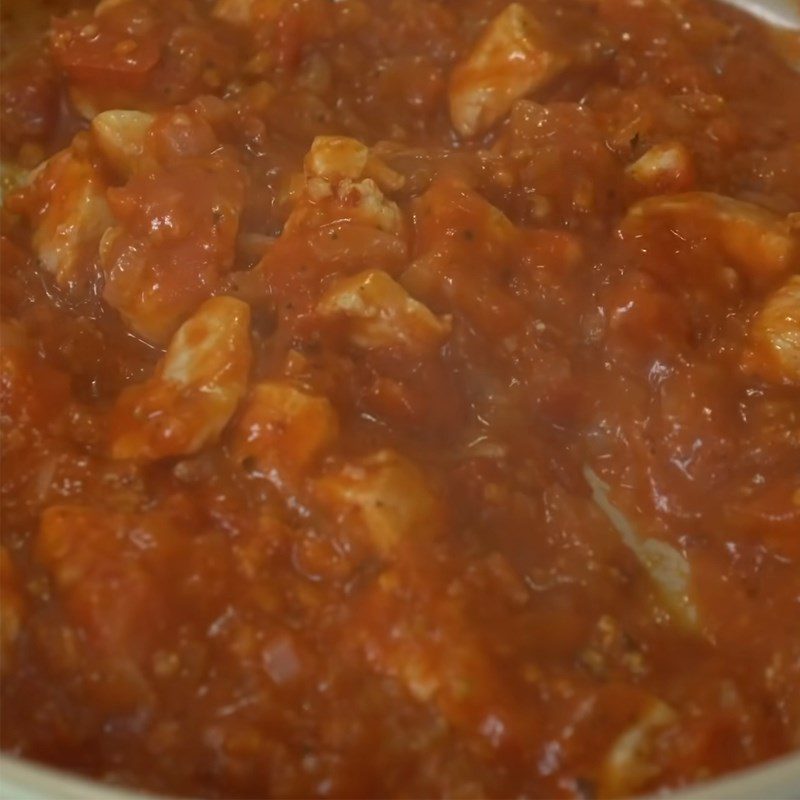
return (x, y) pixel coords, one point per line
(170, 247)
(348, 201)
(120, 137)
(74, 215)
(235, 12)
(243, 13)
(104, 6)
(514, 56)
(424, 640)
(451, 216)
(283, 429)
(364, 202)
(382, 499)
(11, 176)
(464, 247)
(759, 241)
(344, 183)
(668, 569)
(633, 759)
(333, 158)
(74, 543)
(96, 566)
(195, 389)
(775, 336)
(666, 166)
(379, 312)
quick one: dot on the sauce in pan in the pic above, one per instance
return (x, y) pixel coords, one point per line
(399, 397)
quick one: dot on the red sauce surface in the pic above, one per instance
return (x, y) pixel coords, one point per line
(405, 400)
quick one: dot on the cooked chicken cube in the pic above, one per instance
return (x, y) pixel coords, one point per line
(344, 182)
(515, 56)
(282, 429)
(171, 247)
(195, 389)
(463, 248)
(236, 12)
(382, 499)
(775, 336)
(104, 6)
(246, 12)
(663, 167)
(759, 241)
(450, 205)
(668, 569)
(74, 216)
(633, 758)
(120, 136)
(364, 202)
(380, 313)
(348, 201)
(333, 158)
(11, 176)
(107, 592)
(361, 202)
(428, 645)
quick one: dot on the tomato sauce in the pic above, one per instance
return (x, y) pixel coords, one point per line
(399, 398)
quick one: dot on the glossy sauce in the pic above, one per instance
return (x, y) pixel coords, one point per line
(399, 398)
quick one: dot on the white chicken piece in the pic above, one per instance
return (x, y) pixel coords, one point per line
(450, 204)
(104, 6)
(668, 569)
(775, 336)
(246, 12)
(664, 166)
(194, 390)
(282, 429)
(382, 499)
(97, 572)
(633, 758)
(11, 176)
(426, 641)
(381, 313)
(344, 182)
(364, 202)
(514, 56)
(759, 241)
(236, 12)
(334, 158)
(75, 215)
(120, 137)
